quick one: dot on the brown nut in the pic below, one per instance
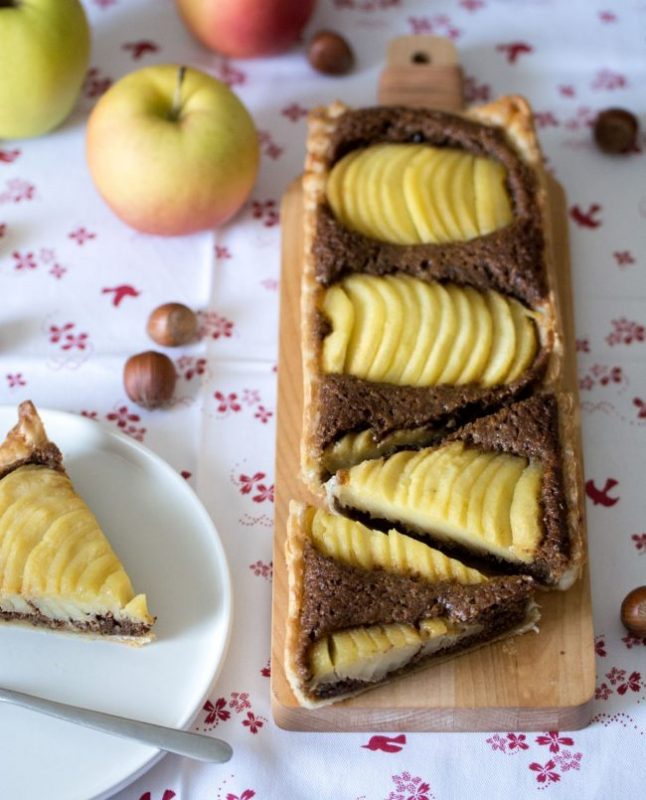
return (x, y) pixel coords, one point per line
(615, 130)
(330, 53)
(633, 612)
(172, 325)
(149, 379)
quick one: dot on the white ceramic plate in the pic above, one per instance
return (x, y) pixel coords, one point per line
(172, 552)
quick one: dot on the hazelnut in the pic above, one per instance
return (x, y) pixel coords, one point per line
(330, 53)
(149, 379)
(172, 325)
(633, 612)
(615, 130)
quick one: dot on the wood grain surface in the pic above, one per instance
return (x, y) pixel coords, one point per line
(541, 681)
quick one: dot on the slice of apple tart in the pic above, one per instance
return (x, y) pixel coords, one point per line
(366, 606)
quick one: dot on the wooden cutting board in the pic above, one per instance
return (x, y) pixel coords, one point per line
(541, 681)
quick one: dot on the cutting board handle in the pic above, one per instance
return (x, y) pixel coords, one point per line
(422, 71)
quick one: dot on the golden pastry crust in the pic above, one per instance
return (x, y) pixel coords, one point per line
(27, 441)
(513, 114)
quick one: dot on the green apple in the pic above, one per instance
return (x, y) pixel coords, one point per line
(172, 150)
(44, 54)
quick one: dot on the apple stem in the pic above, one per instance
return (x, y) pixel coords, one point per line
(177, 98)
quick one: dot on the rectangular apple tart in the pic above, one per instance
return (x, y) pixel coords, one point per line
(504, 489)
(366, 606)
(427, 298)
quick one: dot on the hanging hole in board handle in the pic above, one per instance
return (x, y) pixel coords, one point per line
(420, 57)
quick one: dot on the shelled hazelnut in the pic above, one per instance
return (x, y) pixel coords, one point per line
(172, 325)
(328, 52)
(633, 612)
(149, 379)
(615, 130)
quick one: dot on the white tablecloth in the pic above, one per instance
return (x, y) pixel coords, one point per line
(77, 286)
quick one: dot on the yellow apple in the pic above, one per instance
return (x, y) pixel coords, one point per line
(44, 54)
(172, 150)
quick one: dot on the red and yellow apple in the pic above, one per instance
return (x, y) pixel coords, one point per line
(172, 150)
(44, 54)
(246, 28)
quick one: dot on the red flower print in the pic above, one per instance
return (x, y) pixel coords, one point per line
(623, 257)
(633, 641)
(213, 325)
(517, 741)
(186, 474)
(47, 255)
(17, 190)
(583, 118)
(472, 5)
(409, 788)
(8, 156)
(123, 417)
(567, 90)
(582, 346)
(513, 50)
(239, 701)
(268, 145)
(269, 283)
(386, 744)
(440, 24)
(96, 84)
(262, 570)
(602, 692)
(81, 236)
(120, 292)
(600, 496)
(633, 683)
(135, 432)
(56, 333)
(189, 367)
(641, 405)
(57, 271)
(168, 793)
(266, 211)
(216, 712)
(246, 795)
(567, 760)
(640, 542)
(251, 397)
(496, 742)
(294, 112)
(264, 493)
(140, 48)
(227, 402)
(253, 722)
(625, 332)
(263, 414)
(248, 482)
(546, 119)
(232, 76)
(554, 741)
(16, 379)
(90, 415)
(545, 772)
(266, 670)
(221, 252)
(75, 340)
(607, 16)
(24, 261)
(586, 219)
(105, 3)
(475, 92)
(608, 80)
(616, 675)
(600, 646)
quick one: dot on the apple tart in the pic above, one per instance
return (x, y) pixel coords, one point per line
(503, 488)
(366, 606)
(426, 296)
(57, 569)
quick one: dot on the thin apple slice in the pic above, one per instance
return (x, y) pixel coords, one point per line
(526, 340)
(463, 197)
(478, 492)
(503, 346)
(391, 329)
(392, 193)
(419, 191)
(496, 505)
(408, 300)
(478, 357)
(439, 354)
(352, 201)
(525, 513)
(369, 315)
(411, 491)
(391, 472)
(334, 187)
(443, 185)
(380, 155)
(339, 310)
(461, 459)
(429, 497)
(462, 345)
(458, 505)
(429, 324)
(493, 209)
